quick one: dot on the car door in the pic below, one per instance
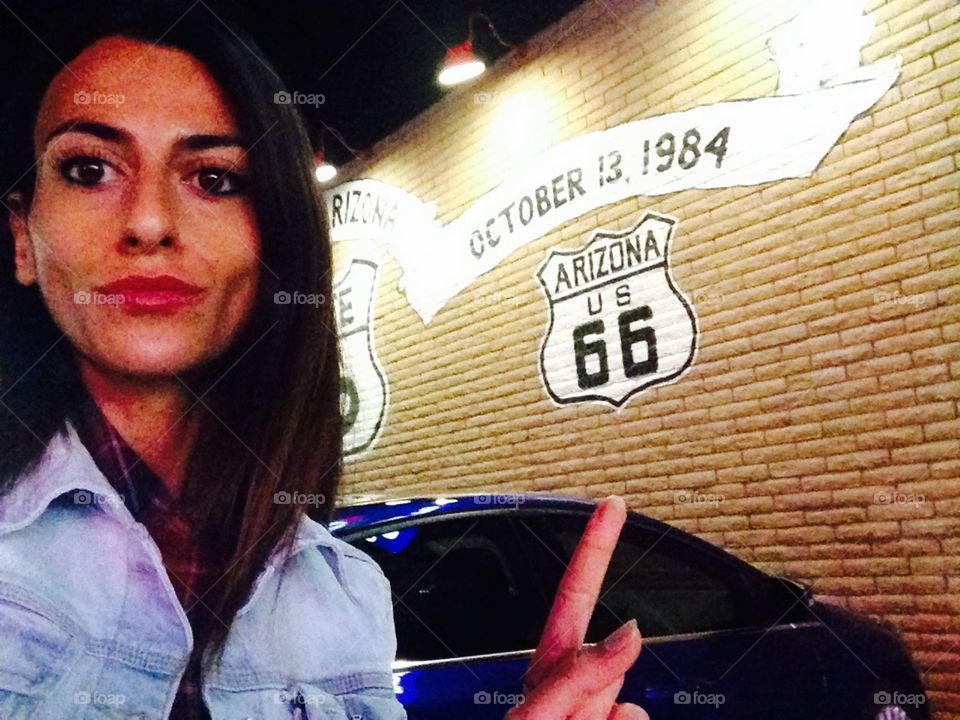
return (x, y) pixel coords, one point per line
(466, 610)
(716, 645)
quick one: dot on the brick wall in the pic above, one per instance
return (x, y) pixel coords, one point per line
(811, 393)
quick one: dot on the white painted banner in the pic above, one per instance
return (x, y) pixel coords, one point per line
(375, 211)
(822, 89)
(731, 143)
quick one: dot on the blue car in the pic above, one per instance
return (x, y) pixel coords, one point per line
(474, 577)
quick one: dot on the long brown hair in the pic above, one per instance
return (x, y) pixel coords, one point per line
(270, 410)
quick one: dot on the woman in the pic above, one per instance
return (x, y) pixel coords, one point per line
(158, 411)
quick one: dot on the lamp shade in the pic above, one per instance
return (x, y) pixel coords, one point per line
(324, 171)
(460, 65)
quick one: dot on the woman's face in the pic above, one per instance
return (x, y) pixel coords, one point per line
(141, 235)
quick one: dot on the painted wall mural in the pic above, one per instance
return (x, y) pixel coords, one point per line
(822, 89)
(618, 324)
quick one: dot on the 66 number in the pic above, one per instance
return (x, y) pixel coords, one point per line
(585, 346)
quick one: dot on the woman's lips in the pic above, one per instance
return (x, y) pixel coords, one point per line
(138, 294)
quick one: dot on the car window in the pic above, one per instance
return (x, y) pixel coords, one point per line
(459, 587)
(664, 584)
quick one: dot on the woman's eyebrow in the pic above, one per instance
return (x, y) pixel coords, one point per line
(205, 142)
(109, 133)
(97, 129)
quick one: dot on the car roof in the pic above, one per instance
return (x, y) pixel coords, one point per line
(358, 516)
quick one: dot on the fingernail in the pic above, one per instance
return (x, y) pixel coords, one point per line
(606, 504)
(620, 638)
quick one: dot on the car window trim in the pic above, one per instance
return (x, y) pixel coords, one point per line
(410, 665)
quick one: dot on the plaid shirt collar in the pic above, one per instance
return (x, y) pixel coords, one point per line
(138, 486)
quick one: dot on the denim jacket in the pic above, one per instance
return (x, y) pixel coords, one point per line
(90, 625)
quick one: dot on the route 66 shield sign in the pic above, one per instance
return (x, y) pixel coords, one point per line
(618, 324)
(363, 386)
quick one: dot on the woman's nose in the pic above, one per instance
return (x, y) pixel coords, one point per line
(151, 215)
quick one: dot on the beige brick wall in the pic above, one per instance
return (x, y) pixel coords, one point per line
(807, 397)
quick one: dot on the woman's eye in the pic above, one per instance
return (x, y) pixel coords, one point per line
(217, 181)
(87, 171)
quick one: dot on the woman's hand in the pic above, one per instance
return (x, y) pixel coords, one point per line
(566, 681)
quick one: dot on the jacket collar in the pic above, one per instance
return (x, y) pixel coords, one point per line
(67, 466)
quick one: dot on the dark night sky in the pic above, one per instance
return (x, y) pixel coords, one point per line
(375, 61)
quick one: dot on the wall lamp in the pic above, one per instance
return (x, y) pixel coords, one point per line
(461, 64)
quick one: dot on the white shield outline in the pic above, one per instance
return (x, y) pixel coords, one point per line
(687, 306)
(367, 329)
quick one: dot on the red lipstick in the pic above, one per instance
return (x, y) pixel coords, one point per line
(140, 294)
